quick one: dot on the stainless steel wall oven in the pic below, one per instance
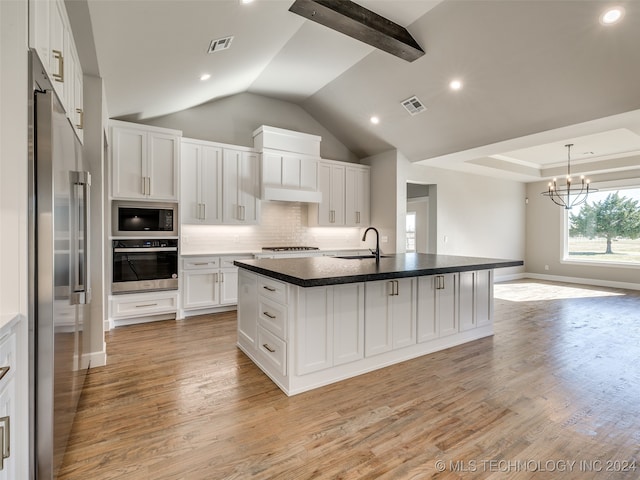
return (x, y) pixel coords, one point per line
(143, 265)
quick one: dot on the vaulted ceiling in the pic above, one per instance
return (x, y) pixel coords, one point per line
(536, 75)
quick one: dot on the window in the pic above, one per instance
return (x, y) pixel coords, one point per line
(606, 229)
(411, 232)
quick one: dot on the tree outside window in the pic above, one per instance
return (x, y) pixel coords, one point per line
(606, 228)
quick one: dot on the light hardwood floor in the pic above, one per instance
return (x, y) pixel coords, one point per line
(555, 393)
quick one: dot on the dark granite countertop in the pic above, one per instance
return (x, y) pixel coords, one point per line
(320, 271)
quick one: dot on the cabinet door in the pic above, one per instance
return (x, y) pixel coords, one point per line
(8, 409)
(247, 309)
(427, 308)
(363, 200)
(201, 289)
(231, 211)
(210, 185)
(484, 297)
(324, 185)
(228, 286)
(337, 194)
(128, 158)
(348, 323)
(77, 112)
(58, 48)
(378, 317)
(354, 198)
(39, 38)
(249, 187)
(403, 313)
(162, 168)
(467, 304)
(191, 180)
(314, 333)
(446, 305)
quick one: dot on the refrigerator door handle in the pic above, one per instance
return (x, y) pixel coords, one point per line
(81, 282)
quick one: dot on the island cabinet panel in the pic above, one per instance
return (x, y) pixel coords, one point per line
(390, 315)
(314, 329)
(348, 323)
(436, 306)
(329, 327)
(475, 299)
(247, 309)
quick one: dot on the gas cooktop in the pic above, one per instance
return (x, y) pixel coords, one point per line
(288, 249)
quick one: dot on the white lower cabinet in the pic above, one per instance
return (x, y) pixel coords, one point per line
(209, 281)
(247, 309)
(476, 299)
(437, 313)
(390, 313)
(330, 326)
(8, 420)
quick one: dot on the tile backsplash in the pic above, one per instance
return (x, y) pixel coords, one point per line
(282, 223)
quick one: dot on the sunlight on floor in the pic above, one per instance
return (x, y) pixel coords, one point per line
(534, 291)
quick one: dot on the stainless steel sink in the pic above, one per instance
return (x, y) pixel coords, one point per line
(361, 257)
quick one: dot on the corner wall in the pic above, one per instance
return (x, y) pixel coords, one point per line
(234, 119)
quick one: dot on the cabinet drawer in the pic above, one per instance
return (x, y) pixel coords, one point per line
(200, 263)
(272, 289)
(273, 317)
(8, 352)
(126, 306)
(273, 350)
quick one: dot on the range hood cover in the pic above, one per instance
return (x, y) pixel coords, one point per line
(290, 195)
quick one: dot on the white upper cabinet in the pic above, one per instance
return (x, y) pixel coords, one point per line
(357, 196)
(144, 162)
(201, 183)
(51, 38)
(241, 174)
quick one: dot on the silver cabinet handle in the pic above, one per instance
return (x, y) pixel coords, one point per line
(221, 277)
(144, 185)
(204, 211)
(266, 345)
(215, 278)
(4, 371)
(267, 314)
(58, 77)
(148, 185)
(357, 217)
(80, 125)
(147, 305)
(5, 440)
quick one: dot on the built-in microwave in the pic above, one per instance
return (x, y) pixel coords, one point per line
(144, 219)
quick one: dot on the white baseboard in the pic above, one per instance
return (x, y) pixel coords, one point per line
(558, 278)
(95, 359)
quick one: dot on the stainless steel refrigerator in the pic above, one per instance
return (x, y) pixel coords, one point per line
(60, 291)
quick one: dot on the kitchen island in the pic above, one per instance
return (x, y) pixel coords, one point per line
(309, 322)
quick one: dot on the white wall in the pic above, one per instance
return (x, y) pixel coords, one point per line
(386, 199)
(14, 93)
(234, 119)
(544, 240)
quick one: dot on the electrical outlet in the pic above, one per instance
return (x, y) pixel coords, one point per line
(384, 239)
(546, 267)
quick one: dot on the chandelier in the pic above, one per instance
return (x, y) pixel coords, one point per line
(570, 195)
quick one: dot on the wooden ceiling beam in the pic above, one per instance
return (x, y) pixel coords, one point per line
(362, 24)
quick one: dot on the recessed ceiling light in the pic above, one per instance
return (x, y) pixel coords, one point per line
(246, 2)
(455, 84)
(612, 15)
(375, 120)
(205, 76)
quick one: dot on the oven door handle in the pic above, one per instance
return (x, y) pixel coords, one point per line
(143, 249)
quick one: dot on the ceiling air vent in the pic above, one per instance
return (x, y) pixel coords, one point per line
(413, 105)
(219, 44)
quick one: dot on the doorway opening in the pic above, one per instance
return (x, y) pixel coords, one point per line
(420, 231)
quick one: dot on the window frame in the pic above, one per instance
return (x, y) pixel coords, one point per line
(630, 183)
